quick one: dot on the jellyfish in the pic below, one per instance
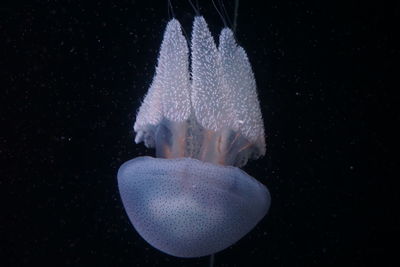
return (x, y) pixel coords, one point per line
(204, 121)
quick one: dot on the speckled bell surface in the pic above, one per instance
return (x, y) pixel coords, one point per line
(188, 208)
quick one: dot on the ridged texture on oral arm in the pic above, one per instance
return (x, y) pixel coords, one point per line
(240, 91)
(168, 96)
(207, 100)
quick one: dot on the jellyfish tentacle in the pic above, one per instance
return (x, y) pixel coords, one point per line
(240, 91)
(206, 97)
(168, 97)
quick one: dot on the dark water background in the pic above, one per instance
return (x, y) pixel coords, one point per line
(74, 75)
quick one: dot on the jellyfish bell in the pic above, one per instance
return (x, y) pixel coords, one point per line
(193, 200)
(189, 208)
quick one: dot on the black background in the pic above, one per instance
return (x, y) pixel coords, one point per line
(75, 74)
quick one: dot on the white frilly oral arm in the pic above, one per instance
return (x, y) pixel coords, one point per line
(168, 96)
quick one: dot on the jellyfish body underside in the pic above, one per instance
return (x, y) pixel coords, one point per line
(193, 200)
